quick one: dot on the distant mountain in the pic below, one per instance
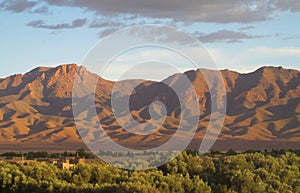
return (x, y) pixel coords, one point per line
(263, 109)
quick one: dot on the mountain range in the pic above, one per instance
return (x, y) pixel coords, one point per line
(263, 109)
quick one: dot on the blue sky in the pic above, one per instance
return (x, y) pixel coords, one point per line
(241, 36)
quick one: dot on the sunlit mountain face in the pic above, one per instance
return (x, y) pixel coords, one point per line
(263, 109)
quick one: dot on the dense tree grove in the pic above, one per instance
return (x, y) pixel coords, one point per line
(189, 172)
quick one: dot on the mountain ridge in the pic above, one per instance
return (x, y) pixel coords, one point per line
(263, 107)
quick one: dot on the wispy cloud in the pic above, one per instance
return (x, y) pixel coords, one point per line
(108, 26)
(268, 51)
(262, 55)
(17, 6)
(246, 28)
(107, 31)
(41, 10)
(225, 36)
(41, 24)
(295, 36)
(106, 23)
(250, 59)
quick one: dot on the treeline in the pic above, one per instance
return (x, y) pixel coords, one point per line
(83, 153)
(43, 154)
(188, 173)
(273, 152)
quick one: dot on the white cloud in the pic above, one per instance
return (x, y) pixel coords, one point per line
(255, 57)
(287, 51)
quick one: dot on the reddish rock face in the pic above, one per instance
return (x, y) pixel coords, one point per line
(262, 106)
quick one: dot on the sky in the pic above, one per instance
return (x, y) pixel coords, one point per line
(239, 35)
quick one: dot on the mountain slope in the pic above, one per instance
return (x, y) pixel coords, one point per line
(263, 109)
